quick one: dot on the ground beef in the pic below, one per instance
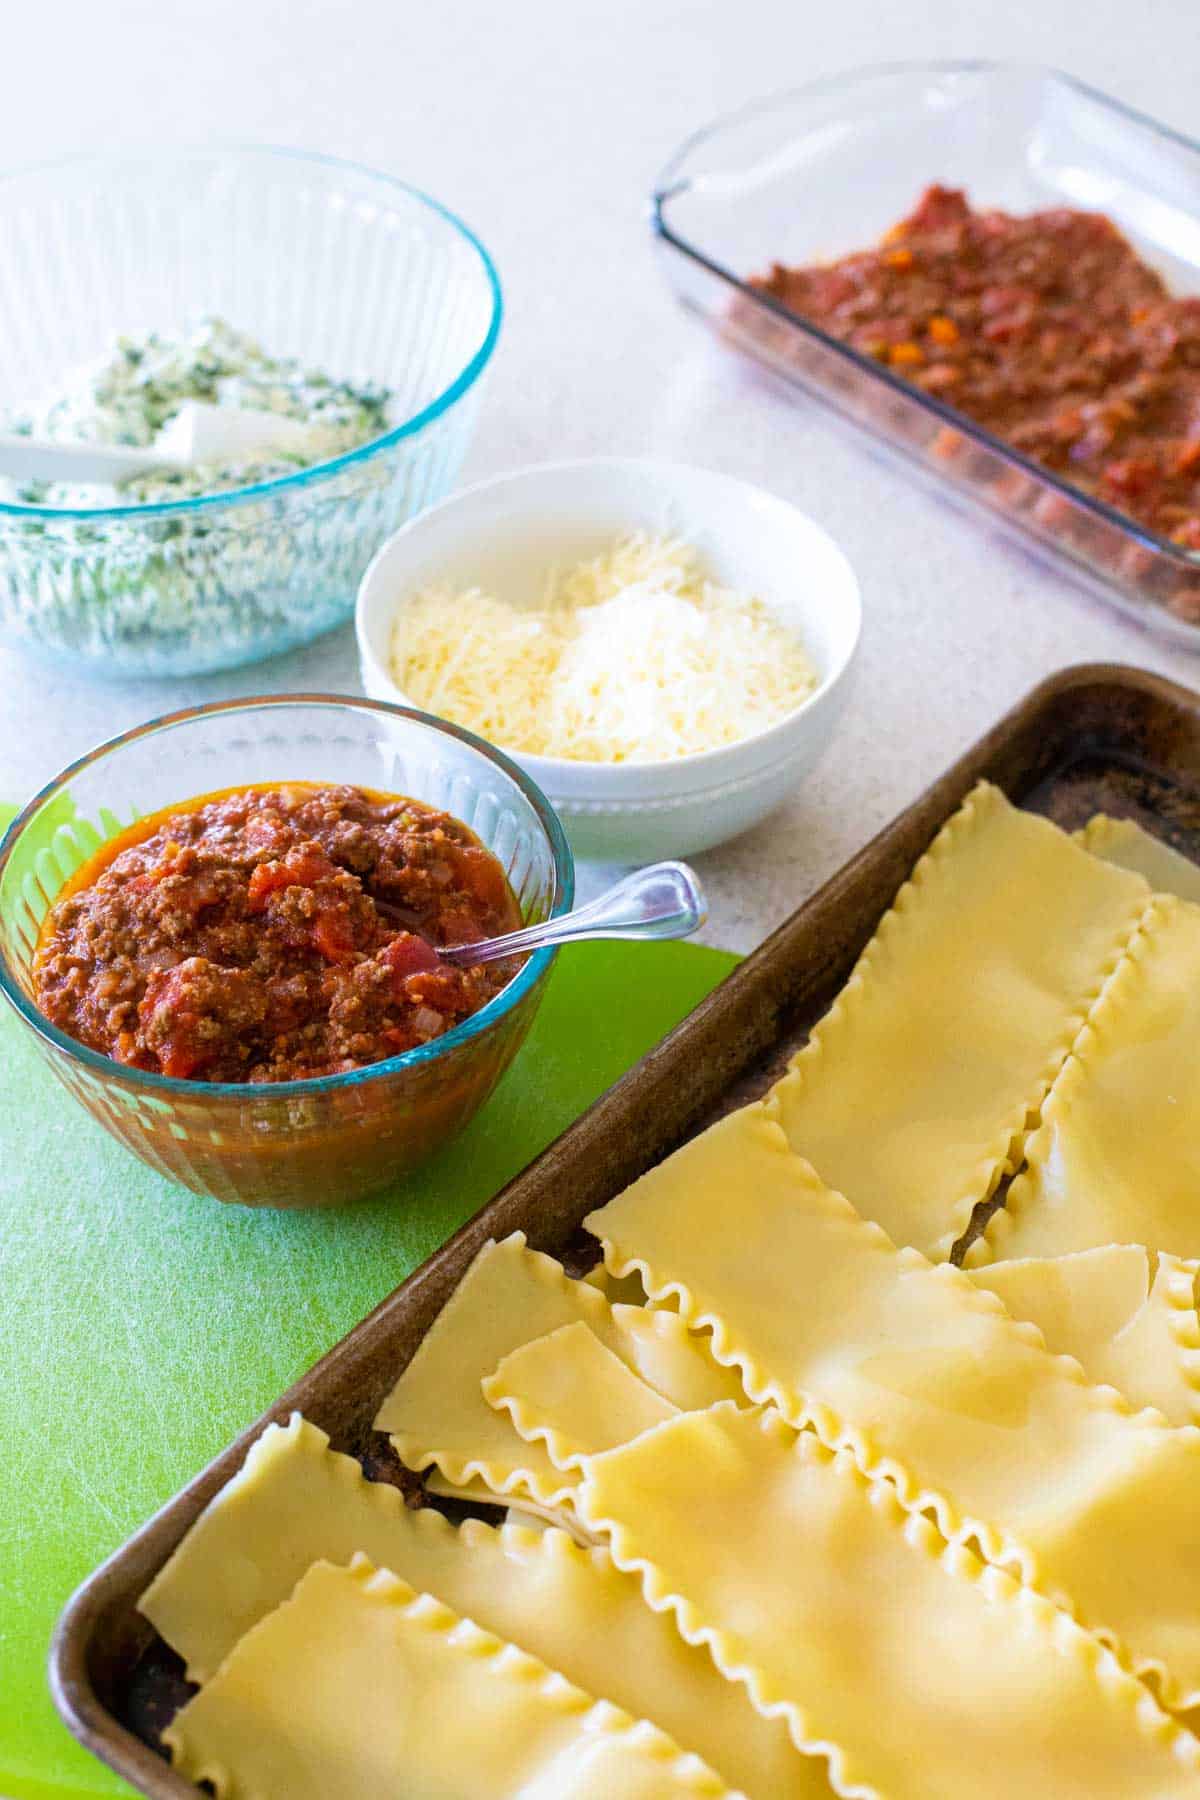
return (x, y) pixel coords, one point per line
(274, 933)
(1047, 329)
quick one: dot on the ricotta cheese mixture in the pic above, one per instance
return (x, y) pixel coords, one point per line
(139, 385)
(634, 656)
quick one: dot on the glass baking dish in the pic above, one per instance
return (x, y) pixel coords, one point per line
(809, 175)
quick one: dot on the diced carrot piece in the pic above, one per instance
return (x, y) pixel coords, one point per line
(943, 330)
(906, 355)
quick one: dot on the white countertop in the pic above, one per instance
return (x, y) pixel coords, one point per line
(543, 122)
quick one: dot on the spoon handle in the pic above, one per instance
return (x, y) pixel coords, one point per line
(26, 458)
(200, 432)
(663, 901)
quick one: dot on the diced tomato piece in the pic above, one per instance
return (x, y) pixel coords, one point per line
(264, 831)
(179, 1058)
(300, 868)
(937, 208)
(831, 287)
(333, 935)
(1130, 474)
(1007, 325)
(150, 875)
(407, 954)
(170, 1025)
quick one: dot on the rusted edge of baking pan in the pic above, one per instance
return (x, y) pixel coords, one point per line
(722, 1053)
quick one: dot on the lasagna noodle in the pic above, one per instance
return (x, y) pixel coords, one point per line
(929, 1381)
(540, 1386)
(436, 1414)
(914, 1093)
(1116, 1158)
(359, 1685)
(568, 1392)
(657, 1345)
(1125, 843)
(1101, 1307)
(923, 1673)
(296, 1502)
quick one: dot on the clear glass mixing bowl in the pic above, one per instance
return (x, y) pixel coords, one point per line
(333, 1138)
(354, 273)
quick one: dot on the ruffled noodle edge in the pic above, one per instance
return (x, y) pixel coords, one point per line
(459, 1471)
(384, 1496)
(999, 1585)
(1178, 1276)
(470, 1641)
(562, 1453)
(998, 1548)
(1094, 1038)
(1006, 1150)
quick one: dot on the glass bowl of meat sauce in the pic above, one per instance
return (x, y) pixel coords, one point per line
(222, 930)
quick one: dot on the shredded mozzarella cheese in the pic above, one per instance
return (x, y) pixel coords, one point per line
(633, 657)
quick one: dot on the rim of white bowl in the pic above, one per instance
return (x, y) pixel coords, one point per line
(545, 768)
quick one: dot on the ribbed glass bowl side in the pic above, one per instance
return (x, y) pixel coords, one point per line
(351, 272)
(298, 1151)
(312, 1143)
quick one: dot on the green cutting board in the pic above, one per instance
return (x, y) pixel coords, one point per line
(144, 1326)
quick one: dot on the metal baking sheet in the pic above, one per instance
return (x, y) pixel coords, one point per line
(1095, 738)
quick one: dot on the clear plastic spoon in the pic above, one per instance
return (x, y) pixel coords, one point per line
(663, 901)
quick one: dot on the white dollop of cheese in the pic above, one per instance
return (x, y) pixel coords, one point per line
(634, 656)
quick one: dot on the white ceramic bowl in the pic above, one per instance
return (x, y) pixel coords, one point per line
(503, 535)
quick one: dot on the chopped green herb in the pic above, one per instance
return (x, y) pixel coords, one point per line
(133, 392)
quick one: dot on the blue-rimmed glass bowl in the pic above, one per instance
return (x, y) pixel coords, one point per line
(354, 273)
(328, 1140)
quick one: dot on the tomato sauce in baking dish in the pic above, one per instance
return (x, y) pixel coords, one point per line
(267, 934)
(1048, 329)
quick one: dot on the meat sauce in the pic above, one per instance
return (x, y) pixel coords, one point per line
(1048, 329)
(270, 934)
